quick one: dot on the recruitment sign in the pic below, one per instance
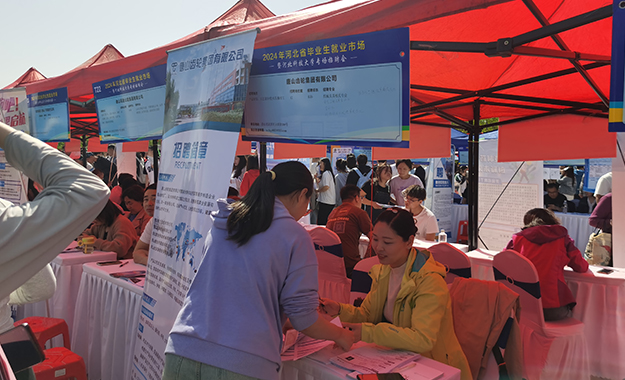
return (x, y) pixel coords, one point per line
(14, 108)
(49, 115)
(617, 81)
(347, 90)
(200, 131)
(130, 107)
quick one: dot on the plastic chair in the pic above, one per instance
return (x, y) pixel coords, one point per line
(61, 364)
(46, 328)
(361, 282)
(551, 350)
(456, 262)
(463, 232)
(333, 282)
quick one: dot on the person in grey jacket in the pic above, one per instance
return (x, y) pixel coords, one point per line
(35, 232)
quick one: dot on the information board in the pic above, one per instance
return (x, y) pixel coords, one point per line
(617, 78)
(49, 115)
(439, 193)
(595, 168)
(131, 107)
(14, 108)
(500, 208)
(340, 91)
(11, 182)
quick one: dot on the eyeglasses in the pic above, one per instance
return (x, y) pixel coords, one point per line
(409, 200)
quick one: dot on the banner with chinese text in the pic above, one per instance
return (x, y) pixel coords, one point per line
(199, 137)
(131, 106)
(351, 90)
(14, 108)
(49, 115)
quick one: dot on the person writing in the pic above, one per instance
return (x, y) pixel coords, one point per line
(140, 254)
(425, 220)
(113, 232)
(259, 268)
(408, 307)
(548, 246)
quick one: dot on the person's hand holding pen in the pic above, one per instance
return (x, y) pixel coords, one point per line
(124, 263)
(328, 306)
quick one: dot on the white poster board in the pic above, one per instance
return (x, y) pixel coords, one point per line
(440, 192)
(189, 183)
(14, 108)
(523, 193)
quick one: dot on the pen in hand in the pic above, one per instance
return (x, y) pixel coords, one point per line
(124, 263)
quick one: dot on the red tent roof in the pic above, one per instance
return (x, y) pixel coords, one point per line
(31, 75)
(108, 53)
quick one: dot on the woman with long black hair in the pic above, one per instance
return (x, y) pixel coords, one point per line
(259, 268)
(327, 191)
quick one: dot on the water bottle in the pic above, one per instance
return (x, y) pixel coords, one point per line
(442, 236)
(565, 207)
(87, 244)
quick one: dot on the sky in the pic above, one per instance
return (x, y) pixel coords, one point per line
(56, 36)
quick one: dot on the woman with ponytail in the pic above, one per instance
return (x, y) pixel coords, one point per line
(259, 268)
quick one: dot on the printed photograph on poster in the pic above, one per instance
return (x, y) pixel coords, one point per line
(49, 115)
(130, 107)
(14, 108)
(338, 91)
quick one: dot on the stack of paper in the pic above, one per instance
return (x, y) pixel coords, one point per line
(297, 345)
(374, 359)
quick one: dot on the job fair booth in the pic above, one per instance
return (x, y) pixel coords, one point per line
(393, 76)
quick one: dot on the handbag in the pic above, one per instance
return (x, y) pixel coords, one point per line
(599, 249)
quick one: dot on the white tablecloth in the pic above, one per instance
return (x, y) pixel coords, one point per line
(106, 321)
(600, 305)
(576, 224)
(67, 268)
(309, 369)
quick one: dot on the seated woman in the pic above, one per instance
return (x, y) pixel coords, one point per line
(408, 307)
(548, 246)
(427, 225)
(113, 232)
(133, 199)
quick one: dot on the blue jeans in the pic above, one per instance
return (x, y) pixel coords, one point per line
(179, 368)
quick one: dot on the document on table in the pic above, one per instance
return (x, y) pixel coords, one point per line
(297, 345)
(420, 372)
(374, 359)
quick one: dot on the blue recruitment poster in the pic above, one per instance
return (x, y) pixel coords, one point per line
(130, 107)
(49, 115)
(617, 78)
(351, 90)
(14, 108)
(507, 190)
(595, 168)
(439, 193)
(197, 139)
(12, 187)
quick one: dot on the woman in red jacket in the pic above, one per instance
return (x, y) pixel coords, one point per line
(252, 172)
(548, 246)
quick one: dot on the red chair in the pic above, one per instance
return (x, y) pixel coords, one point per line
(463, 232)
(61, 364)
(47, 328)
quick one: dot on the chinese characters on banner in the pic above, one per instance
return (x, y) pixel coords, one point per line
(14, 108)
(49, 115)
(524, 193)
(347, 90)
(201, 130)
(130, 107)
(594, 169)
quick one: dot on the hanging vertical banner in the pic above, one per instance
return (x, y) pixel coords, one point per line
(346, 90)
(500, 208)
(617, 77)
(130, 107)
(594, 169)
(49, 115)
(440, 192)
(14, 108)
(196, 137)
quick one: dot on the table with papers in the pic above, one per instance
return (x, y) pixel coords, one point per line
(318, 366)
(67, 268)
(107, 319)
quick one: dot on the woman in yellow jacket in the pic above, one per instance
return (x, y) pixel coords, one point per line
(408, 307)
